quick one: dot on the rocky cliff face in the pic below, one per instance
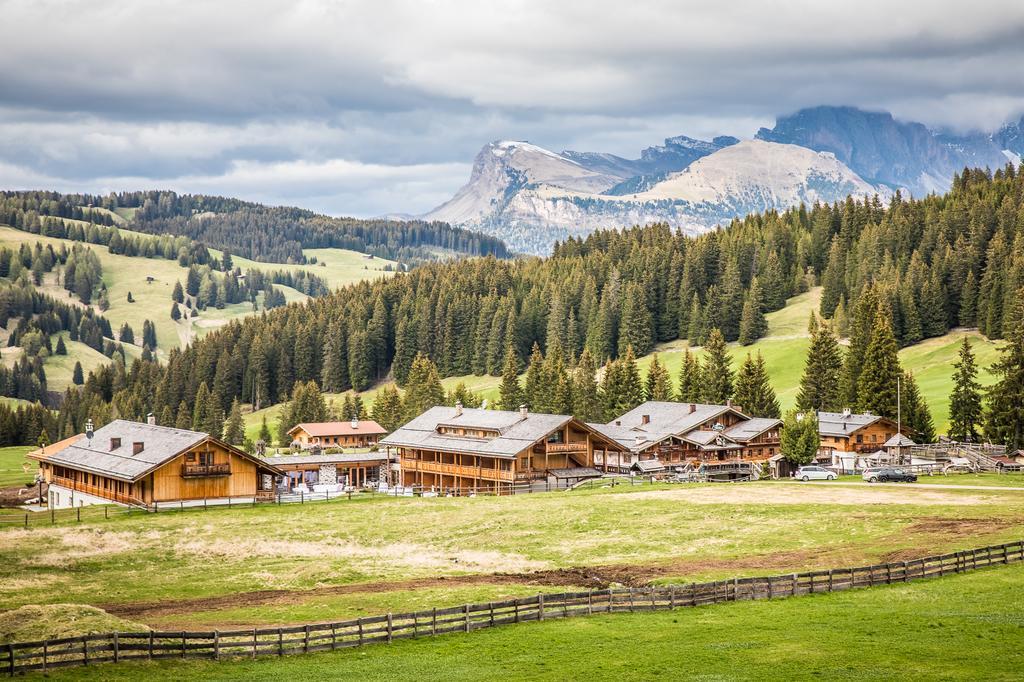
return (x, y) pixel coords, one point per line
(886, 151)
(532, 197)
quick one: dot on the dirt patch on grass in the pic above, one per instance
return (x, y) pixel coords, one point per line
(797, 493)
(595, 577)
(945, 529)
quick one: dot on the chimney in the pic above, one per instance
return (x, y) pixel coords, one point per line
(618, 422)
(637, 440)
(137, 447)
(693, 408)
(523, 411)
(458, 408)
(355, 423)
(88, 430)
(846, 412)
(645, 419)
(728, 402)
(151, 419)
(115, 443)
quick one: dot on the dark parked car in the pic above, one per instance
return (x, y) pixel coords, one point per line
(890, 476)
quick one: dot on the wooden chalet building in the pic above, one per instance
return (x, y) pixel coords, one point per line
(351, 434)
(456, 448)
(856, 433)
(328, 471)
(689, 433)
(132, 463)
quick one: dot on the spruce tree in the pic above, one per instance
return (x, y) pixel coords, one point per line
(689, 379)
(658, 385)
(200, 408)
(423, 388)
(633, 390)
(264, 434)
(861, 326)
(537, 387)
(716, 370)
(184, 418)
(914, 411)
(1004, 419)
(753, 324)
(754, 393)
(175, 313)
(178, 295)
(636, 326)
(387, 408)
(881, 370)
(586, 399)
(234, 431)
(61, 348)
(965, 406)
(510, 393)
(819, 386)
(76, 374)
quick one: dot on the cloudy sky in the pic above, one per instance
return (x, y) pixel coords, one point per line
(361, 107)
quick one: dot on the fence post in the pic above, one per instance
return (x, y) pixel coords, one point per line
(736, 589)
(305, 637)
(216, 645)
(631, 600)
(390, 628)
(465, 611)
(540, 606)
(183, 644)
(491, 607)
(359, 623)
(671, 597)
(117, 653)
(150, 656)
(254, 643)
(46, 647)
(78, 514)
(53, 516)
(906, 577)
(590, 602)
(433, 619)
(85, 650)
(10, 659)
(106, 512)
(280, 642)
(26, 519)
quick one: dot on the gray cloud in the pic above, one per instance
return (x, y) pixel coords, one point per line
(369, 107)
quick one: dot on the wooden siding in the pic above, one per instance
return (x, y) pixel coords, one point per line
(167, 482)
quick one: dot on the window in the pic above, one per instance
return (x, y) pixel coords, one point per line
(206, 458)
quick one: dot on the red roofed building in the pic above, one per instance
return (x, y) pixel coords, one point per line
(353, 434)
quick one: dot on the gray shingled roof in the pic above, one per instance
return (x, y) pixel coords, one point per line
(752, 428)
(898, 440)
(842, 424)
(516, 433)
(161, 443)
(284, 461)
(665, 419)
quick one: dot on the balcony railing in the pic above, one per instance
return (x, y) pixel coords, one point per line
(553, 448)
(409, 464)
(190, 470)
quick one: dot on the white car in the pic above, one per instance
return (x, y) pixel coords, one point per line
(814, 473)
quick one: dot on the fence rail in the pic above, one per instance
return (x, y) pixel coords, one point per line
(115, 647)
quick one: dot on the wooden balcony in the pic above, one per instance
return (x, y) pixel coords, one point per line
(96, 491)
(204, 470)
(409, 464)
(563, 448)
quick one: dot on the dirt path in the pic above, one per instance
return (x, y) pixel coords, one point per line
(595, 577)
(924, 486)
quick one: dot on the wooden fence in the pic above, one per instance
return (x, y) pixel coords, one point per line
(115, 647)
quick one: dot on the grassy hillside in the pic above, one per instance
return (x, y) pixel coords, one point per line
(12, 466)
(779, 639)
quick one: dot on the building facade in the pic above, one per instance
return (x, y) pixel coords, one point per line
(680, 434)
(326, 471)
(847, 431)
(132, 463)
(461, 449)
(358, 433)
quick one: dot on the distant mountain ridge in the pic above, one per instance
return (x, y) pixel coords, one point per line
(531, 197)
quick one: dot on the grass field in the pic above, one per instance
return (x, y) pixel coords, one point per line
(955, 628)
(12, 466)
(334, 560)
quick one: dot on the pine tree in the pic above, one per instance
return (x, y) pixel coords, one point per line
(1004, 420)
(387, 408)
(867, 309)
(754, 394)
(265, 435)
(716, 371)
(694, 332)
(633, 389)
(200, 408)
(178, 295)
(537, 389)
(510, 393)
(636, 327)
(689, 379)
(175, 313)
(819, 386)
(658, 385)
(914, 411)
(586, 399)
(184, 418)
(753, 324)
(965, 405)
(799, 440)
(61, 348)
(423, 388)
(881, 370)
(76, 375)
(234, 431)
